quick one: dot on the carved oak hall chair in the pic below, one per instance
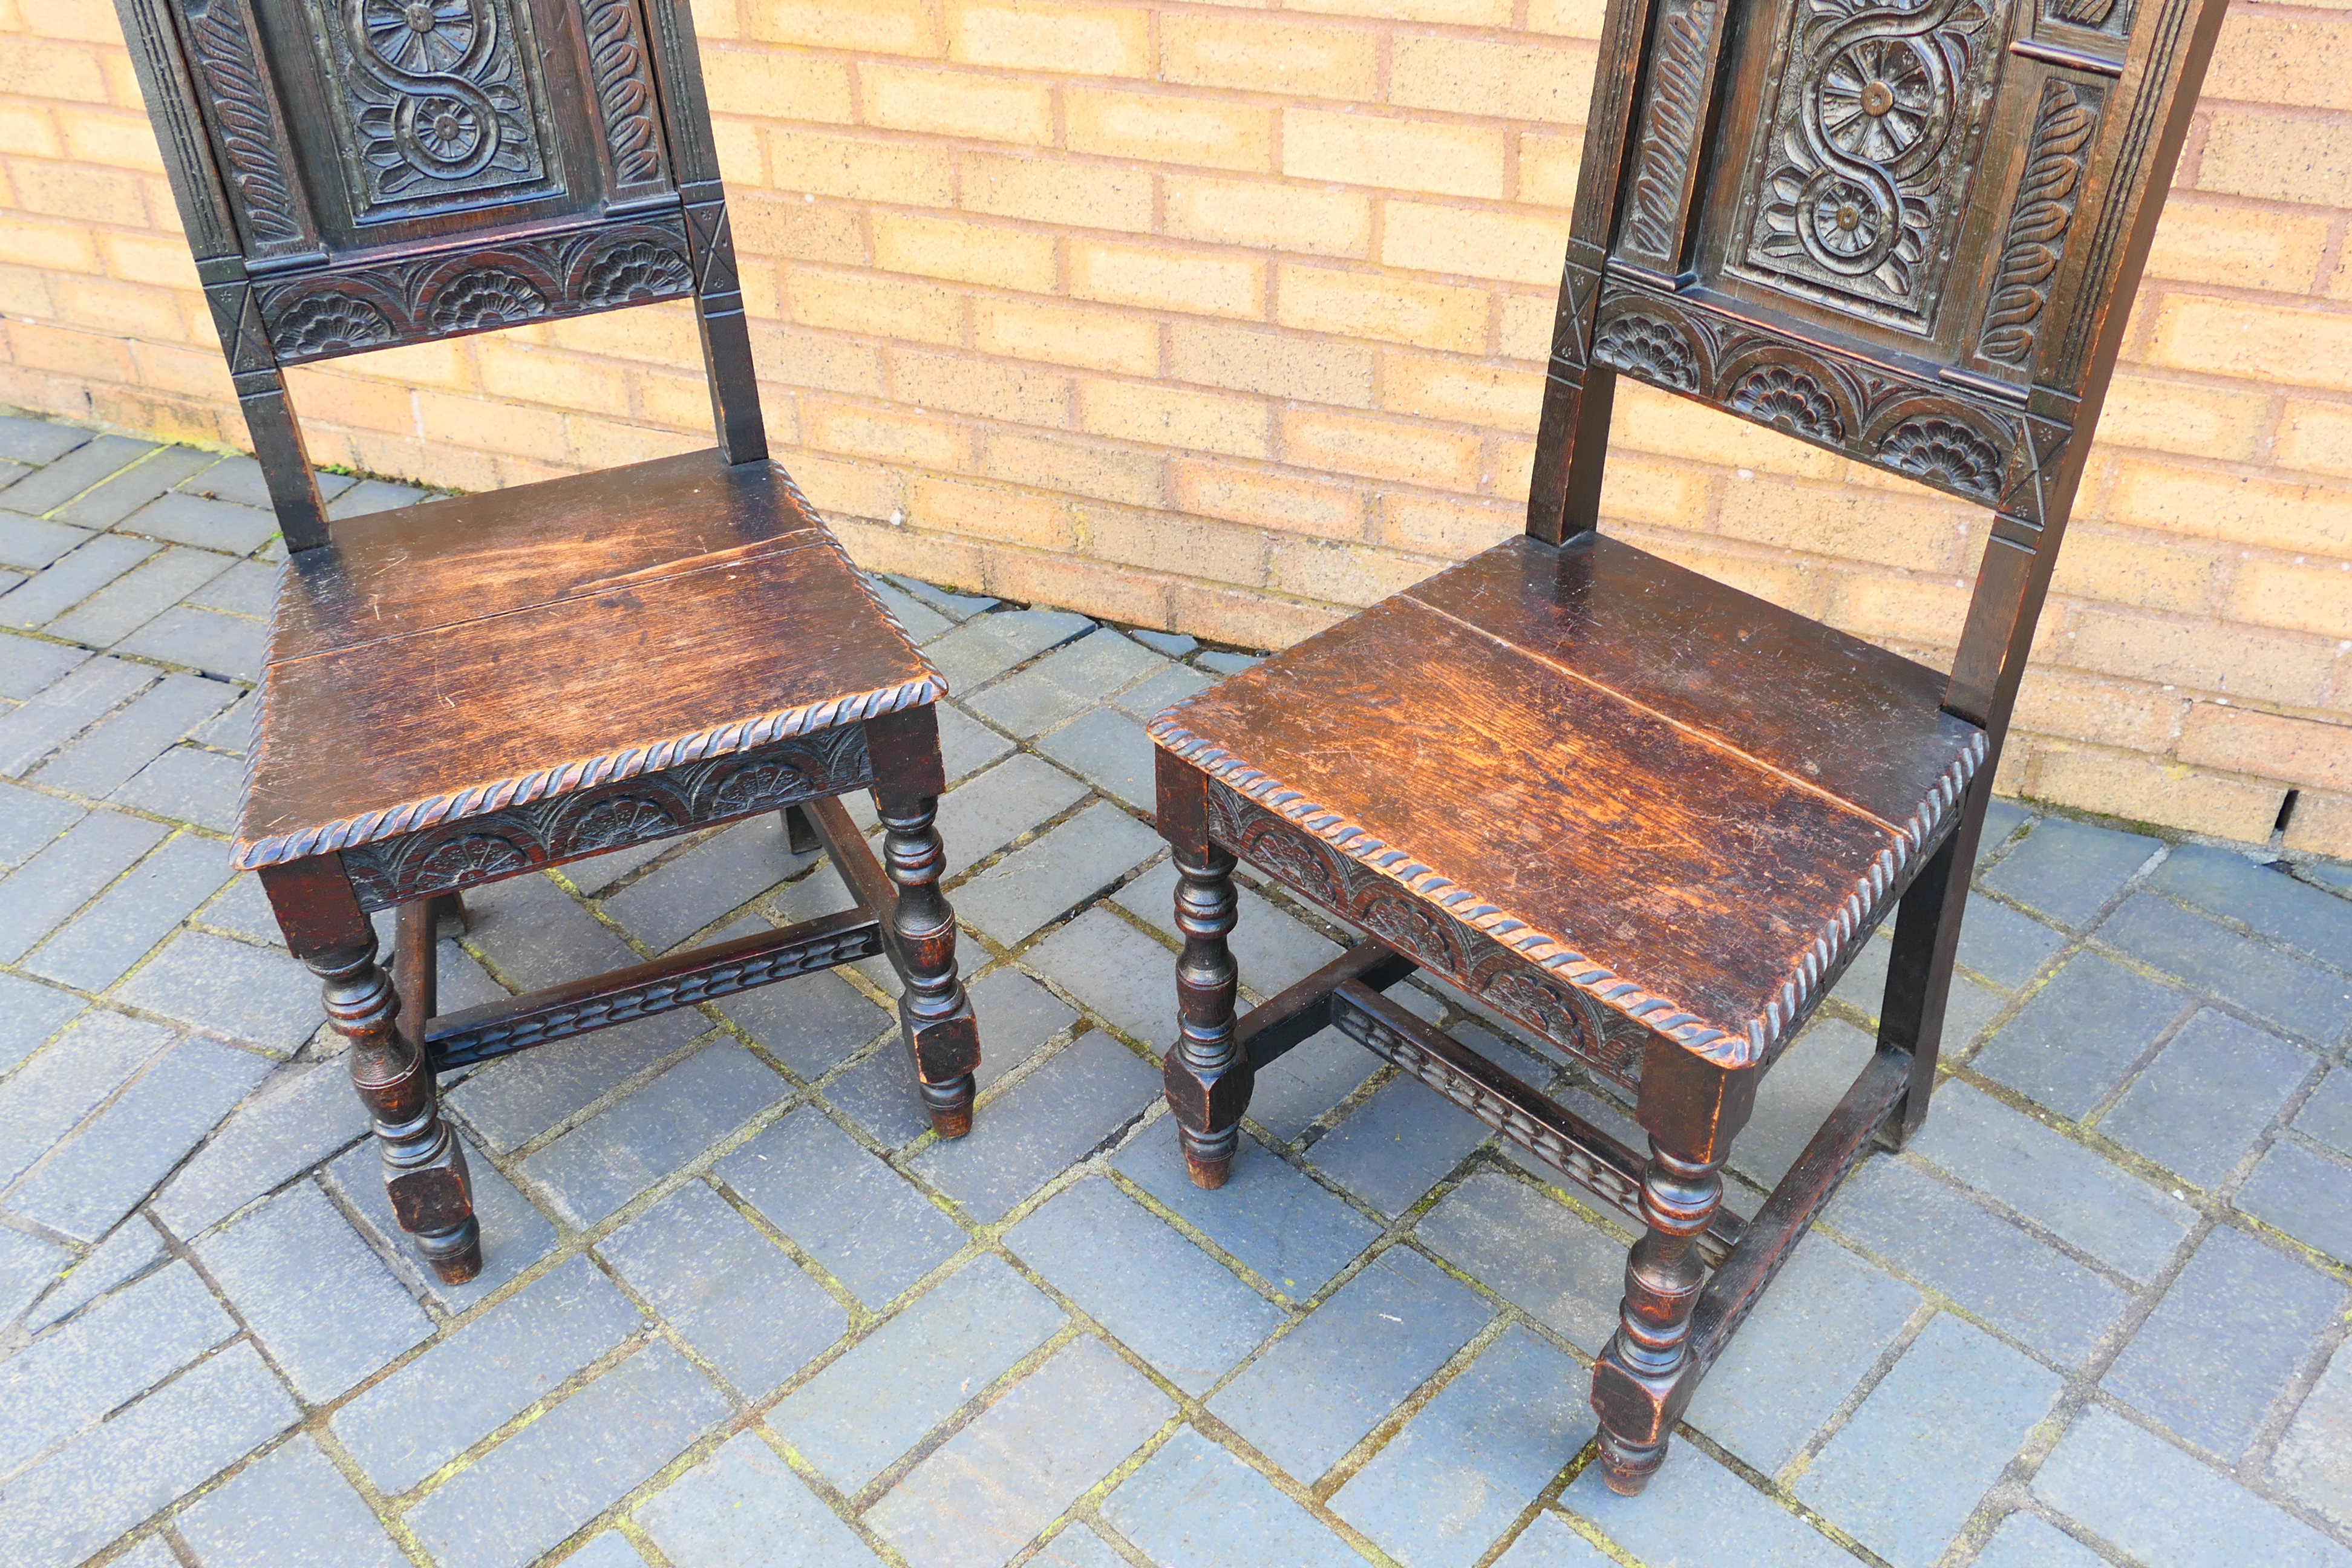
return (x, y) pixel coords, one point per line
(1647, 817)
(476, 689)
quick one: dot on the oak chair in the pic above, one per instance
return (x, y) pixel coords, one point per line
(1645, 816)
(477, 688)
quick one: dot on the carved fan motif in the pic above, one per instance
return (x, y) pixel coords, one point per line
(476, 857)
(1945, 450)
(636, 270)
(1783, 396)
(328, 323)
(1650, 348)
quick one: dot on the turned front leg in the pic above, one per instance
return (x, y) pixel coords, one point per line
(1208, 1078)
(1633, 1384)
(933, 1012)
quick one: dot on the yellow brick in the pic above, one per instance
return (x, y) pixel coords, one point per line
(2238, 663)
(990, 512)
(957, 103)
(24, 292)
(1054, 189)
(28, 129)
(1118, 593)
(1271, 500)
(86, 20)
(2250, 154)
(1636, 488)
(1212, 132)
(2263, 58)
(2104, 712)
(1245, 617)
(816, 359)
(606, 443)
(2177, 417)
(1899, 611)
(1519, 248)
(801, 230)
(838, 488)
(90, 355)
(1188, 546)
(2247, 248)
(1489, 76)
(778, 84)
(488, 424)
(1569, 18)
(951, 563)
(199, 372)
(1296, 219)
(1341, 573)
(677, 402)
(2306, 752)
(1155, 278)
(1066, 334)
(1284, 54)
(663, 334)
(1384, 448)
(559, 380)
(1022, 394)
(848, 430)
(714, 18)
(2124, 569)
(1389, 309)
(1240, 360)
(1431, 525)
(2316, 436)
(906, 173)
(742, 151)
(1393, 154)
(966, 252)
(447, 364)
(1506, 469)
(869, 26)
(1846, 523)
(1524, 325)
(879, 306)
(1548, 166)
(2245, 510)
(1030, 35)
(1460, 13)
(1483, 394)
(2322, 825)
(65, 247)
(1179, 416)
(1074, 467)
(2307, 598)
(1654, 421)
(126, 309)
(44, 69)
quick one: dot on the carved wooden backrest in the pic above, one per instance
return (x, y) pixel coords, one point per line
(1907, 232)
(358, 173)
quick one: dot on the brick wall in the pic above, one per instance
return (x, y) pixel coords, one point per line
(1227, 317)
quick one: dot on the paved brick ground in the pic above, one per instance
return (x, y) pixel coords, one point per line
(740, 1309)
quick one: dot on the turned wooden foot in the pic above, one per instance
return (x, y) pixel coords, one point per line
(1635, 1382)
(1208, 1079)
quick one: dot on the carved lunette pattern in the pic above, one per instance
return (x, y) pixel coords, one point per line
(486, 846)
(1671, 118)
(1454, 931)
(616, 53)
(253, 147)
(321, 313)
(2046, 193)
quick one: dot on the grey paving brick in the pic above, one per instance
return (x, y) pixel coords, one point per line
(289, 1509)
(73, 869)
(2266, 983)
(188, 785)
(66, 1080)
(743, 1508)
(239, 480)
(28, 1266)
(593, 877)
(610, 1549)
(728, 1290)
(228, 645)
(1273, 1217)
(2002, 945)
(30, 544)
(2166, 1510)
(71, 578)
(514, 1100)
(855, 1417)
(2327, 1116)
(2220, 1349)
(2202, 1102)
(151, 1553)
(1221, 663)
(598, 1166)
(1994, 1268)
(2028, 1540)
(868, 1227)
(811, 1024)
(62, 710)
(990, 810)
(2307, 1196)
(2069, 870)
(1165, 689)
(966, 745)
(1063, 1111)
(30, 822)
(514, 1234)
(30, 1014)
(2002, 819)
(111, 1165)
(66, 477)
(1016, 1015)
(2122, 1221)
(878, 1094)
(166, 1445)
(298, 1119)
(1054, 873)
(254, 994)
(465, 1388)
(918, 620)
(61, 1385)
(1162, 1297)
(1288, 1096)
(130, 1251)
(1696, 1511)
(38, 440)
(1128, 978)
(1543, 1258)
(370, 496)
(184, 516)
(538, 934)
(1193, 1504)
(1803, 1352)
(2333, 876)
(570, 1465)
(1065, 684)
(988, 1490)
(1397, 1144)
(1110, 752)
(27, 665)
(1272, 950)
(247, 588)
(114, 498)
(92, 950)
(1907, 1471)
(954, 605)
(1457, 1475)
(1797, 1095)
(2309, 1465)
(708, 881)
(233, 729)
(1548, 1543)
(138, 595)
(2273, 904)
(1078, 1546)
(1320, 1388)
(2072, 1042)
(981, 650)
(320, 1300)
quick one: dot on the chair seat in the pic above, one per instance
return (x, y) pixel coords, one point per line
(454, 659)
(1689, 804)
